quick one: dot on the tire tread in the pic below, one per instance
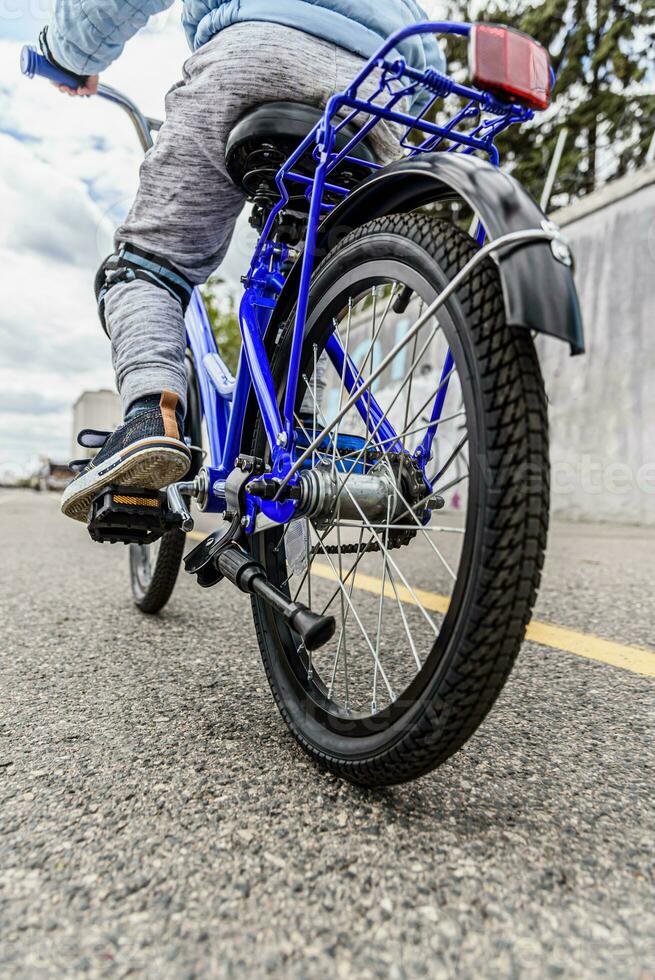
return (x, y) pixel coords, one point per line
(515, 522)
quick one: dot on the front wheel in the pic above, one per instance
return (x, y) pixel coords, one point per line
(432, 583)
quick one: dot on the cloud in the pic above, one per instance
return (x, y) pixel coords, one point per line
(48, 213)
(51, 346)
(25, 403)
(68, 173)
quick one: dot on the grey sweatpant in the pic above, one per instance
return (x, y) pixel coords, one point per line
(187, 206)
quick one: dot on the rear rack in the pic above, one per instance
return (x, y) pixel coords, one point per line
(472, 129)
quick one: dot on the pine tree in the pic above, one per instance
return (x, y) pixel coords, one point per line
(602, 55)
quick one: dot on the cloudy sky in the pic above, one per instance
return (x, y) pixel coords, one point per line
(68, 171)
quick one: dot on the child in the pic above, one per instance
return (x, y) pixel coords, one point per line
(246, 52)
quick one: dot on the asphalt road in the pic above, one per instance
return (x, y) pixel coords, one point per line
(157, 820)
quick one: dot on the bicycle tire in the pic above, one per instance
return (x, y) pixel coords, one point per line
(506, 536)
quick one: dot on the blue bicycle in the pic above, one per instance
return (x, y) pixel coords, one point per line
(380, 459)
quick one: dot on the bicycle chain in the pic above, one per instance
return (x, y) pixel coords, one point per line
(357, 549)
(349, 549)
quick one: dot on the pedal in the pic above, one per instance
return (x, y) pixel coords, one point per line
(132, 515)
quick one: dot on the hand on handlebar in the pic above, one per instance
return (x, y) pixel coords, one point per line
(61, 76)
(89, 88)
(32, 63)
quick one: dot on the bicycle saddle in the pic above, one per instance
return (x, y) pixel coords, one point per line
(266, 136)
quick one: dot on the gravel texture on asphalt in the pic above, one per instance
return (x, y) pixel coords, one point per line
(157, 819)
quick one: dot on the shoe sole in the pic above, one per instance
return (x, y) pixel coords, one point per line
(150, 463)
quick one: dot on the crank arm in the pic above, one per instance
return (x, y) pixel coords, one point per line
(178, 505)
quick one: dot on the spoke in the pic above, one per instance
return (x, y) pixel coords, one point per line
(437, 491)
(344, 486)
(380, 609)
(366, 446)
(372, 435)
(357, 372)
(322, 538)
(352, 569)
(450, 459)
(422, 428)
(372, 349)
(376, 334)
(430, 397)
(344, 617)
(343, 457)
(359, 622)
(310, 669)
(424, 500)
(453, 483)
(402, 435)
(335, 437)
(442, 382)
(382, 366)
(306, 572)
(322, 456)
(315, 399)
(408, 403)
(419, 527)
(405, 623)
(393, 565)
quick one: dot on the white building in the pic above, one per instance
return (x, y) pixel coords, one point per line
(94, 410)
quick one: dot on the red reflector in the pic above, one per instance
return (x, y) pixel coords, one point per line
(511, 64)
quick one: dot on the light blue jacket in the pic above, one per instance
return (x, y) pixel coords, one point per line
(87, 35)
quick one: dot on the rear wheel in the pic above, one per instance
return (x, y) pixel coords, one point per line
(154, 567)
(431, 604)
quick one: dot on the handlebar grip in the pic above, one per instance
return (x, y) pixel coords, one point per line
(32, 63)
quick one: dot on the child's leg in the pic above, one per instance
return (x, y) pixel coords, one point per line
(184, 215)
(185, 212)
(187, 206)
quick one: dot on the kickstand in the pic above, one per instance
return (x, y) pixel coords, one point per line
(202, 561)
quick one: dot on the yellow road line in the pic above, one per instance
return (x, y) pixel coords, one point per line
(638, 660)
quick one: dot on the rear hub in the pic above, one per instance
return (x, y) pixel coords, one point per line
(392, 490)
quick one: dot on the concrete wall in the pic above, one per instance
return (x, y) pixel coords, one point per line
(602, 405)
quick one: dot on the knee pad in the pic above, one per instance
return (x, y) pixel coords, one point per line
(130, 263)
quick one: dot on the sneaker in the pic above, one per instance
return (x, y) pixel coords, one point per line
(145, 451)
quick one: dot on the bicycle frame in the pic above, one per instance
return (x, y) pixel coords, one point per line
(224, 398)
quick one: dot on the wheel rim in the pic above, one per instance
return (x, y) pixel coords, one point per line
(355, 683)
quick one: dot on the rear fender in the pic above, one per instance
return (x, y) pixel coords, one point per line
(538, 287)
